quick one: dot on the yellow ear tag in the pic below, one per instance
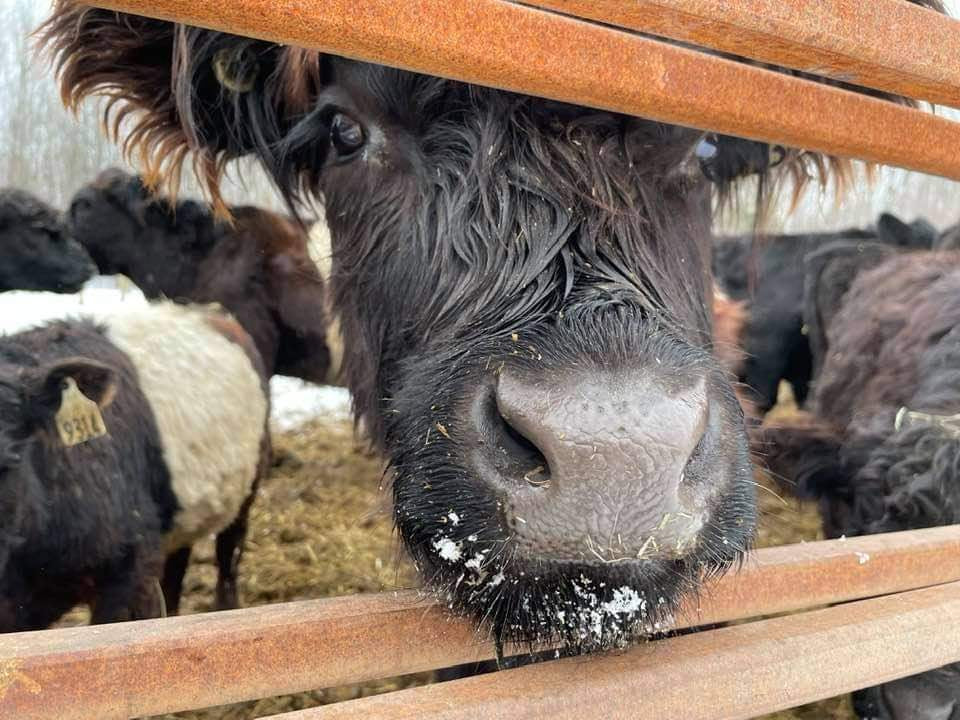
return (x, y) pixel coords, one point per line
(79, 419)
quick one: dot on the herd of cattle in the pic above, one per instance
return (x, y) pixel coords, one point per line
(523, 292)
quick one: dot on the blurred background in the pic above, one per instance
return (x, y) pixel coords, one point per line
(44, 148)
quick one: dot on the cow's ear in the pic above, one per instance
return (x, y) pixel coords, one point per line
(894, 231)
(918, 235)
(181, 90)
(45, 386)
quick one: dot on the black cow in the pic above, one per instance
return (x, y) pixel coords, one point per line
(522, 286)
(36, 249)
(769, 272)
(880, 447)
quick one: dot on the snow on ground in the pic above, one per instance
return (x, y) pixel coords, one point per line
(21, 310)
(293, 401)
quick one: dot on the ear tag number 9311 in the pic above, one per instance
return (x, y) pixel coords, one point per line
(79, 419)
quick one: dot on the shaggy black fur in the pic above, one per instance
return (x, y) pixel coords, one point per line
(474, 231)
(81, 524)
(770, 273)
(36, 249)
(895, 343)
(527, 598)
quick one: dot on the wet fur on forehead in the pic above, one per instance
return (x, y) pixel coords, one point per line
(509, 221)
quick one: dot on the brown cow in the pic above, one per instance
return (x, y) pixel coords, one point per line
(258, 267)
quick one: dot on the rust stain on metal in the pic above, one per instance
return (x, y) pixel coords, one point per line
(525, 49)
(778, 664)
(11, 676)
(161, 666)
(887, 45)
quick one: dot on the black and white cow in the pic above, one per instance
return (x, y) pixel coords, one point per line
(99, 494)
(257, 265)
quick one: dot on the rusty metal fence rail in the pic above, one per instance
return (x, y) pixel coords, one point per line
(897, 590)
(848, 40)
(735, 673)
(159, 666)
(558, 56)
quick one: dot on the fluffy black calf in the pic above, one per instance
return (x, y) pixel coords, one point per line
(85, 523)
(880, 448)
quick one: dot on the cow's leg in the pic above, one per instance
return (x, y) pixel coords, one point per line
(799, 370)
(126, 590)
(229, 551)
(173, 573)
(768, 350)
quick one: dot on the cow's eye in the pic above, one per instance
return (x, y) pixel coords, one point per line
(346, 135)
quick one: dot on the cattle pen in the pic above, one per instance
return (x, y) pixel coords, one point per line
(824, 618)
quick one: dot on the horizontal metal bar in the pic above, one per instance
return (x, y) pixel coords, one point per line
(888, 45)
(525, 49)
(159, 666)
(734, 673)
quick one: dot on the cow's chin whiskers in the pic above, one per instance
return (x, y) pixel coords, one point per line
(531, 605)
(460, 537)
(583, 611)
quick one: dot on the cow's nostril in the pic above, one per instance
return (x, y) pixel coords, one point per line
(527, 456)
(512, 458)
